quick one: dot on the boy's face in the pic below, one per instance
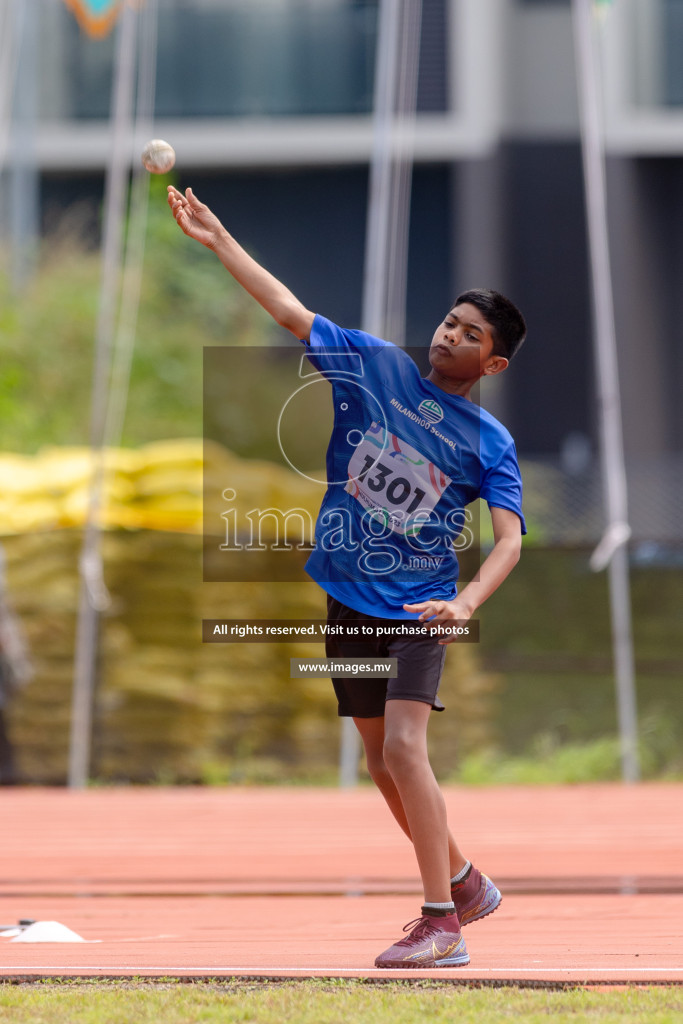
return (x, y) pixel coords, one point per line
(462, 347)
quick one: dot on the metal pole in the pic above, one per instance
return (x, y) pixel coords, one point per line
(133, 260)
(23, 189)
(10, 47)
(612, 550)
(93, 594)
(381, 161)
(386, 240)
(396, 274)
(376, 253)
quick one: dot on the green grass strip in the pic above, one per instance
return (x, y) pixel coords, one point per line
(328, 1002)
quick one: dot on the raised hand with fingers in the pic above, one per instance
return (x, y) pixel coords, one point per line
(194, 218)
(197, 221)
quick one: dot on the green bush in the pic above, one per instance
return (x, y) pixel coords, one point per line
(47, 333)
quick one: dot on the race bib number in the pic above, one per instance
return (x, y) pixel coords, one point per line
(394, 482)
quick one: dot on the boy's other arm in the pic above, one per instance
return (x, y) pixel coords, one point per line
(197, 221)
(507, 536)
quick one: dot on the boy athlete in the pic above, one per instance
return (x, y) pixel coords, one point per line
(406, 456)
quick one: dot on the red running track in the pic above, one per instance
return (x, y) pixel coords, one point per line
(316, 882)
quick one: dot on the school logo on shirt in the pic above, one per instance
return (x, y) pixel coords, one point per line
(431, 410)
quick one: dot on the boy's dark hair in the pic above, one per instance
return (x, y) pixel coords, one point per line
(505, 320)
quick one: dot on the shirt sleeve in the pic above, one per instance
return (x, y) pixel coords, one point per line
(502, 484)
(333, 349)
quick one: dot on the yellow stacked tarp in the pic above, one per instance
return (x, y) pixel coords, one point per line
(155, 487)
(169, 707)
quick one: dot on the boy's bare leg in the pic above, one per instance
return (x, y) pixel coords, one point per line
(396, 750)
(405, 755)
(372, 734)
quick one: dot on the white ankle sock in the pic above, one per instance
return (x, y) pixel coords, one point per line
(439, 906)
(461, 874)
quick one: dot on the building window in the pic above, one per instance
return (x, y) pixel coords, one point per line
(237, 58)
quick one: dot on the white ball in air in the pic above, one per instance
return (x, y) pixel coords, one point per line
(158, 157)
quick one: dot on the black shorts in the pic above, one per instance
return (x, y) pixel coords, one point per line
(420, 664)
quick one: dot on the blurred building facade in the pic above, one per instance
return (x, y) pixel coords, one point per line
(268, 103)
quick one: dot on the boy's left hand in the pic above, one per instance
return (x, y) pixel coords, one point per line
(442, 613)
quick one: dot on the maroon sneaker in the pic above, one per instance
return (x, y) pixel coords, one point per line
(432, 942)
(475, 898)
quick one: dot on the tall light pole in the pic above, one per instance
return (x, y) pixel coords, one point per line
(388, 217)
(612, 551)
(93, 597)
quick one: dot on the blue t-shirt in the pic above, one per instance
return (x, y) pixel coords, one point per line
(404, 461)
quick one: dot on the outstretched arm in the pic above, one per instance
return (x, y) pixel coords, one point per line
(507, 537)
(197, 221)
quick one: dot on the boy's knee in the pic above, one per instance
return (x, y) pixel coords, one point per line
(402, 752)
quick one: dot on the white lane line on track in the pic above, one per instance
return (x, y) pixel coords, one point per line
(384, 972)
